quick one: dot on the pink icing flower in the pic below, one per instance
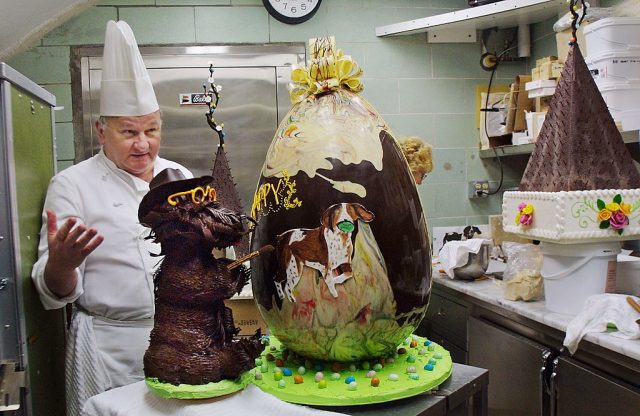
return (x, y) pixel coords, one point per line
(526, 219)
(521, 206)
(618, 220)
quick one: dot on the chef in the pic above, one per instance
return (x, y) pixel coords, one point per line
(93, 252)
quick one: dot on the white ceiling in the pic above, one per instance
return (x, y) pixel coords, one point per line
(24, 22)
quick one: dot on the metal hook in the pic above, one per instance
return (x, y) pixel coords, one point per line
(575, 23)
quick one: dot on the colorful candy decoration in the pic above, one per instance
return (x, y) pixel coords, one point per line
(524, 217)
(349, 279)
(615, 214)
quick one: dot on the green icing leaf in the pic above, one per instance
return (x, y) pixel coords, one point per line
(346, 226)
(620, 231)
(617, 199)
(604, 225)
(601, 204)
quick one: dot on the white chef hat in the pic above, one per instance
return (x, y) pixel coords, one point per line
(126, 88)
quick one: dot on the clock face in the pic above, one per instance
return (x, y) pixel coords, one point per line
(292, 11)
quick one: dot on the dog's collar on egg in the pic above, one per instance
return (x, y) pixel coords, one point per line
(346, 226)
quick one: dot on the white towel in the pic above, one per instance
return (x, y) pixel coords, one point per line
(456, 253)
(597, 312)
(137, 400)
(85, 374)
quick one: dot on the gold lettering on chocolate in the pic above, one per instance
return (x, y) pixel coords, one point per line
(269, 198)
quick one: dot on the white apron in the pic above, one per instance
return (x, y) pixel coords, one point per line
(102, 354)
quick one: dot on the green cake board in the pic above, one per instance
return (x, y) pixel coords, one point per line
(204, 391)
(337, 392)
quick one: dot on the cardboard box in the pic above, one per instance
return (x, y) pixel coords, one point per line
(499, 235)
(540, 83)
(246, 315)
(551, 70)
(492, 133)
(535, 73)
(546, 60)
(480, 89)
(511, 114)
(523, 103)
(563, 38)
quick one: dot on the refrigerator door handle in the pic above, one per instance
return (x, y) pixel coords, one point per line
(553, 387)
(544, 379)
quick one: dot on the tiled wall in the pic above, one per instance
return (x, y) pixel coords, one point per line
(419, 88)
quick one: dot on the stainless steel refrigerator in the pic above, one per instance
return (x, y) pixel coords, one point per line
(31, 339)
(253, 100)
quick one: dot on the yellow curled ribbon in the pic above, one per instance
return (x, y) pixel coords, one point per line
(325, 73)
(198, 195)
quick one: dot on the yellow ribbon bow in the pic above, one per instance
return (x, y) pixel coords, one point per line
(327, 71)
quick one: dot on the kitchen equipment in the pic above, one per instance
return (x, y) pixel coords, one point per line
(32, 340)
(476, 265)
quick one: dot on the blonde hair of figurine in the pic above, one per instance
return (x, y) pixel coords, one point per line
(419, 156)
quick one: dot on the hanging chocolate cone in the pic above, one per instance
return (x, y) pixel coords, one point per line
(579, 146)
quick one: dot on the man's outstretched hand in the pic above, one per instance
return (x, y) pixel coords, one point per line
(69, 246)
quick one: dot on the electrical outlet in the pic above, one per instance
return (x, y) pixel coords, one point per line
(478, 189)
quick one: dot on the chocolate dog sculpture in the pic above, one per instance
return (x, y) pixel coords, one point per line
(194, 338)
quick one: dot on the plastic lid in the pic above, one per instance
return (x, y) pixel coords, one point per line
(606, 85)
(632, 53)
(599, 249)
(611, 21)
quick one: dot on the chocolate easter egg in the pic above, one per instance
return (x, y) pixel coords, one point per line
(350, 275)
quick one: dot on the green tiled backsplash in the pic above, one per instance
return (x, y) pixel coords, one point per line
(419, 88)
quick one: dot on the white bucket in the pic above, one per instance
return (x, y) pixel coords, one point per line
(620, 96)
(615, 66)
(573, 272)
(612, 34)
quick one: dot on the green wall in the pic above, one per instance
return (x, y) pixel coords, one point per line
(419, 88)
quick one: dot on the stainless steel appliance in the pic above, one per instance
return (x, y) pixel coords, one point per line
(519, 369)
(529, 371)
(254, 98)
(578, 389)
(31, 339)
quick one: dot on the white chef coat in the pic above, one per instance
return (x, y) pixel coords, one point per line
(110, 331)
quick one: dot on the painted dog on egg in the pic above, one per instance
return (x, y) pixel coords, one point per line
(328, 249)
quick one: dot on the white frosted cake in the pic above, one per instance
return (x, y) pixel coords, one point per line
(581, 184)
(574, 216)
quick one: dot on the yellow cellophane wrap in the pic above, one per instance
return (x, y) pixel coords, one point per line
(328, 69)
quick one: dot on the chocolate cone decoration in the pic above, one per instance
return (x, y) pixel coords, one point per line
(579, 146)
(228, 195)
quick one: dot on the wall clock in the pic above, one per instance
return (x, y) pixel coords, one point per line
(292, 12)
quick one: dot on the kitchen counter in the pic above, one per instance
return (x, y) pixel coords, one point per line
(490, 292)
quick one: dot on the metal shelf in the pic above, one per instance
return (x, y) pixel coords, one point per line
(522, 149)
(503, 14)
(630, 138)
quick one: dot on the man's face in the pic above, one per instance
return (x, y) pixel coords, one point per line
(132, 143)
